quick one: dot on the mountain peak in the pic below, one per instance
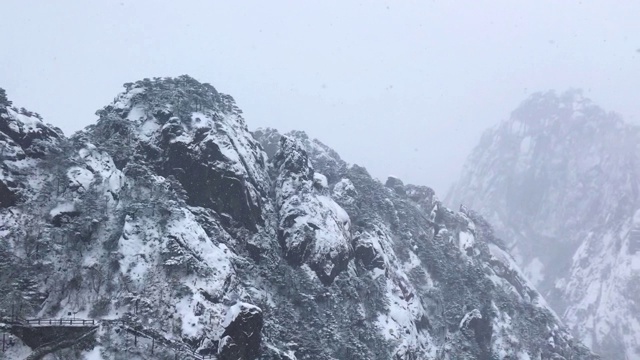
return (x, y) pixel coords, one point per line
(169, 219)
(559, 182)
(553, 113)
(178, 95)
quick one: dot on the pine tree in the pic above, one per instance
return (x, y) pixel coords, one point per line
(4, 101)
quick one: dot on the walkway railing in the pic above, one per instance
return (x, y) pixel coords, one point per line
(60, 322)
(129, 327)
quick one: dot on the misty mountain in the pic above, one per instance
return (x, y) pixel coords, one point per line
(184, 233)
(559, 181)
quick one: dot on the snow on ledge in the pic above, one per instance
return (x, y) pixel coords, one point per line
(473, 314)
(62, 208)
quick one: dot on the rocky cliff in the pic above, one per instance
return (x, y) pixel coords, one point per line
(187, 234)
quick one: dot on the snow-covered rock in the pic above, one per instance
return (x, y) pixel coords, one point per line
(187, 130)
(169, 220)
(312, 228)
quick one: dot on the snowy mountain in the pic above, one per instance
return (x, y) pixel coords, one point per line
(185, 235)
(559, 181)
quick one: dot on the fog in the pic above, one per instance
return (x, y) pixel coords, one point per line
(403, 88)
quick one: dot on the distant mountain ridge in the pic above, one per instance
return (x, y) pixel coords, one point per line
(169, 214)
(559, 181)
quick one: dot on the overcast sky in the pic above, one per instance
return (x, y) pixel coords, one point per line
(404, 88)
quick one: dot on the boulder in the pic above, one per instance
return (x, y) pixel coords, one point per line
(242, 335)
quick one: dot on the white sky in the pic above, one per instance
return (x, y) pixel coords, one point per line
(401, 87)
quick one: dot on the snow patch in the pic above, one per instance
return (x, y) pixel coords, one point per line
(93, 354)
(61, 208)
(191, 324)
(30, 124)
(473, 314)
(534, 271)
(466, 242)
(186, 229)
(148, 129)
(102, 164)
(522, 355)
(338, 212)
(137, 113)
(320, 180)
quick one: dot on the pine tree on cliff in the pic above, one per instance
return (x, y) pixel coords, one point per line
(4, 101)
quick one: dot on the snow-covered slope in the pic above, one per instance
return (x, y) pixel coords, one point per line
(559, 181)
(169, 215)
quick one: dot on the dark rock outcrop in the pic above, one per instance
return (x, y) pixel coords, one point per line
(8, 197)
(242, 336)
